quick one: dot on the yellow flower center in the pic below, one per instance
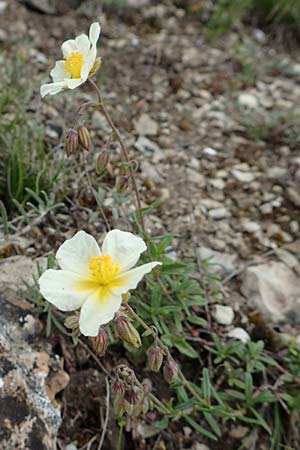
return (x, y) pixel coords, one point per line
(73, 64)
(103, 269)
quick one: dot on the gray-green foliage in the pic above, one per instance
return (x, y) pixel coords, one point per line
(26, 165)
(269, 12)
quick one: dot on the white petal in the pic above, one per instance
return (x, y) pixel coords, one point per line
(97, 311)
(58, 73)
(129, 280)
(124, 248)
(59, 288)
(83, 44)
(53, 88)
(74, 254)
(94, 32)
(88, 64)
(73, 83)
(69, 47)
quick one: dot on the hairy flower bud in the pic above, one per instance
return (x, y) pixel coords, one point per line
(127, 332)
(84, 138)
(155, 358)
(100, 342)
(72, 322)
(119, 406)
(71, 142)
(170, 371)
(102, 159)
(95, 67)
(118, 387)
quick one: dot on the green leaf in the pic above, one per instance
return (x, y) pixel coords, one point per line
(199, 428)
(185, 348)
(206, 385)
(4, 218)
(213, 424)
(197, 321)
(163, 423)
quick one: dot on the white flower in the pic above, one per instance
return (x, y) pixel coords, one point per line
(95, 280)
(79, 59)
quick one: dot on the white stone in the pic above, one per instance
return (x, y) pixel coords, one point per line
(224, 315)
(150, 148)
(251, 227)
(243, 177)
(274, 290)
(248, 100)
(145, 126)
(219, 213)
(209, 151)
(239, 334)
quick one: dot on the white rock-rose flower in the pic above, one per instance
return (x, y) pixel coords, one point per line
(78, 64)
(93, 279)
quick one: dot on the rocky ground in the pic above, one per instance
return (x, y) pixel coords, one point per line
(214, 127)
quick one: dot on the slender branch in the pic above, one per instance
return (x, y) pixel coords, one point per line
(125, 153)
(106, 415)
(94, 193)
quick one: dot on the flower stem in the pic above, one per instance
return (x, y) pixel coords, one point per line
(181, 375)
(125, 153)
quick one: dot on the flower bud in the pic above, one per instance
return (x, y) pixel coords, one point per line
(72, 322)
(71, 142)
(100, 342)
(84, 138)
(155, 358)
(119, 406)
(102, 159)
(170, 371)
(118, 387)
(95, 67)
(127, 332)
(122, 183)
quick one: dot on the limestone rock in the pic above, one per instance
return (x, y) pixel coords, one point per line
(29, 419)
(274, 290)
(221, 263)
(145, 126)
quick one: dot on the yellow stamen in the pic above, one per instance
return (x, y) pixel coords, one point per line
(73, 64)
(103, 269)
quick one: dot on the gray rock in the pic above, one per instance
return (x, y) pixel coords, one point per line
(145, 126)
(274, 290)
(149, 148)
(30, 379)
(248, 101)
(219, 213)
(221, 263)
(243, 177)
(293, 196)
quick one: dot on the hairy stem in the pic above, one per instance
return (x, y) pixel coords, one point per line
(181, 375)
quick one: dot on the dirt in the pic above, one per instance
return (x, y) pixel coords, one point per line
(213, 149)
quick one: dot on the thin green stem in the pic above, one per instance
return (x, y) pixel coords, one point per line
(119, 444)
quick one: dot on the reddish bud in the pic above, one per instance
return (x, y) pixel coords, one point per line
(127, 332)
(102, 159)
(122, 183)
(72, 322)
(170, 371)
(118, 387)
(100, 342)
(71, 143)
(84, 138)
(155, 358)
